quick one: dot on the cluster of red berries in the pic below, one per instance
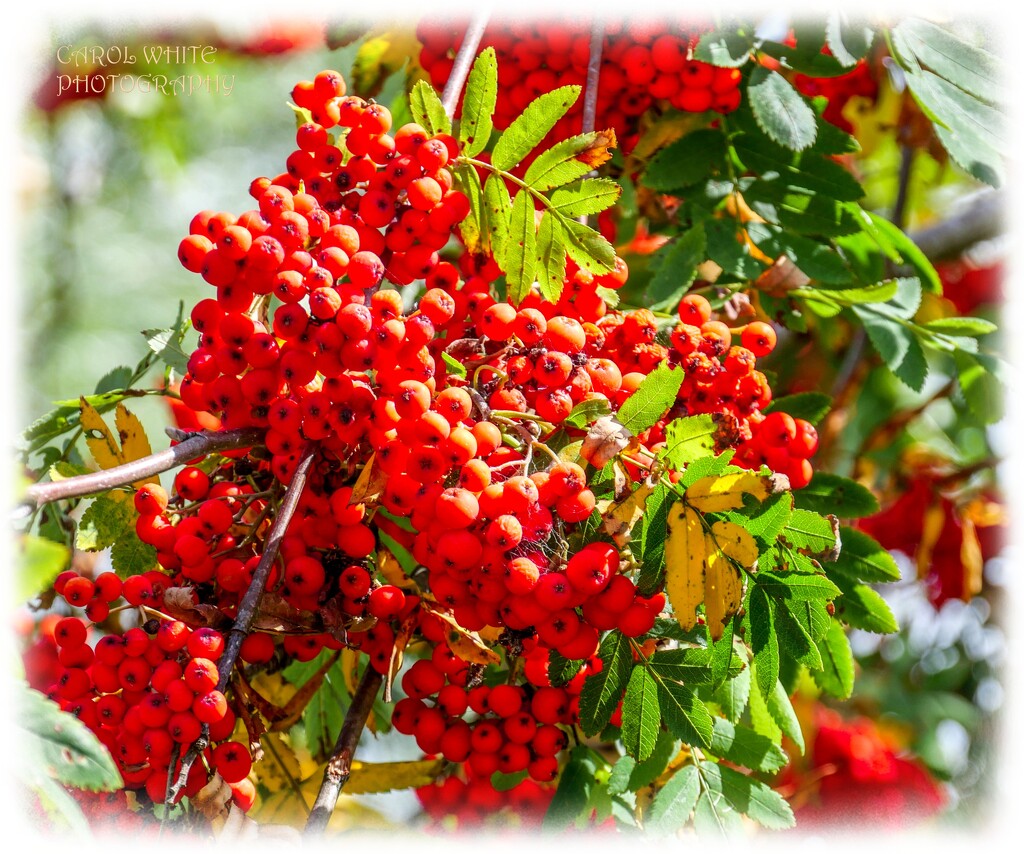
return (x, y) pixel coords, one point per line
(475, 802)
(147, 693)
(641, 65)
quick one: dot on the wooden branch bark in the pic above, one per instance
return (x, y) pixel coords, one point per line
(339, 766)
(250, 601)
(464, 61)
(196, 445)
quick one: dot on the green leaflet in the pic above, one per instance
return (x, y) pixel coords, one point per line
(780, 111)
(528, 129)
(651, 400)
(478, 103)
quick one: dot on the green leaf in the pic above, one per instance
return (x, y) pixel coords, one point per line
(895, 242)
(864, 559)
(912, 371)
(848, 40)
(648, 542)
(713, 817)
(652, 399)
(798, 586)
(781, 709)
(550, 265)
(674, 802)
(819, 261)
(562, 669)
(830, 493)
(603, 690)
(405, 560)
(454, 366)
(560, 164)
(618, 780)
(498, 205)
(969, 67)
(731, 254)
(505, 782)
(528, 129)
(888, 336)
(687, 439)
(978, 130)
(585, 197)
(733, 694)
(879, 292)
(644, 773)
(478, 103)
(677, 269)
(863, 608)
(763, 641)
(689, 665)
(690, 159)
(324, 714)
(573, 790)
(685, 716)
(728, 48)
(780, 111)
(807, 173)
(980, 385)
(972, 326)
(168, 345)
(520, 256)
(745, 747)
(811, 406)
(587, 247)
(766, 520)
(427, 109)
(474, 228)
(130, 556)
(42, 561)
(760, 718)
(114, 380)
(795, 640)
(708, 467)
(973, 156)
(809, 533)
(586, 412)
(641, 714)
(103, 522)
(64, 746)
(836, 673)
(747, 796)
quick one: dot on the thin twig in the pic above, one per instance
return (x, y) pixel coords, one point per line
(339, 766)
(247, 607)
(899, 208)
(196, 445)
(982, 219)
(593, 76)
(464, 61)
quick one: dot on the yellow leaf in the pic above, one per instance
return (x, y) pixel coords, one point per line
(109, 450)
(620, 517)
(102, 444)
(279, 768)
(369, 484)
(350, 668)
(737, 542)
(467, 645)
(685, 563)
(370, 777)
(723, 589)
(725, 492)
(391, 569)
(213, 800)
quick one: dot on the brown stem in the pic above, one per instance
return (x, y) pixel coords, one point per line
(198, 444)
(247, 607)
(982, 219)
(593, 75)
(339, 766)
(464, 61)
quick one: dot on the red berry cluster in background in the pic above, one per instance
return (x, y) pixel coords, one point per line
(642, 65)
(860, 82)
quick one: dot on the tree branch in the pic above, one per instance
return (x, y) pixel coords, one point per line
(593, 76)
(981, 219)
(250, 602)
(198, 444)
(464, 61)
(339, 766)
